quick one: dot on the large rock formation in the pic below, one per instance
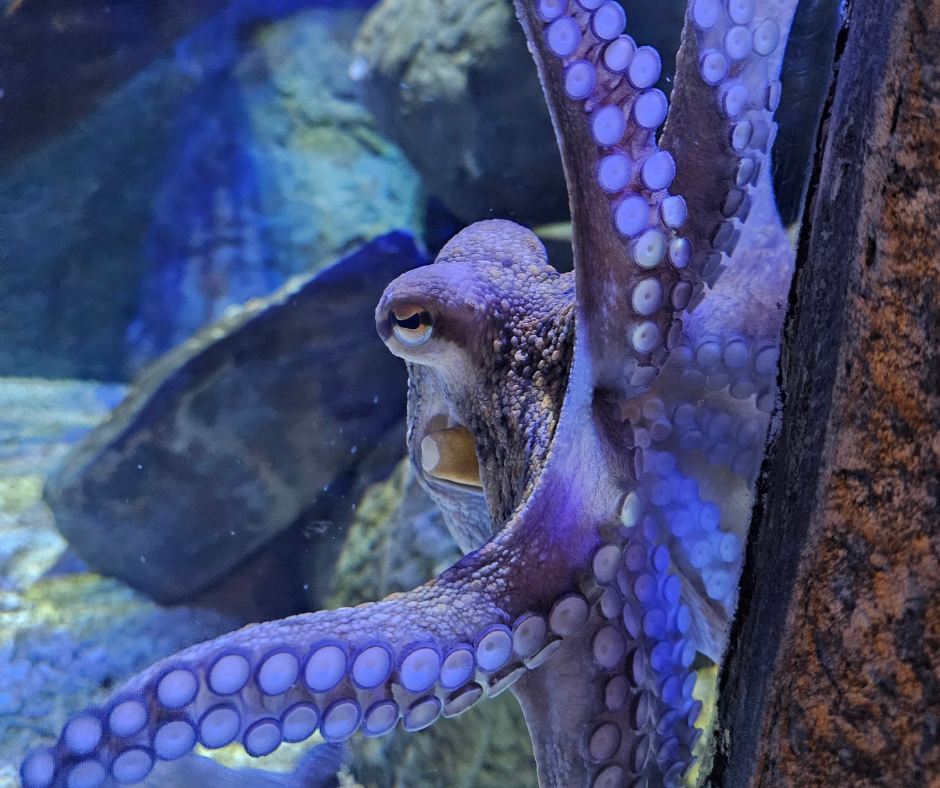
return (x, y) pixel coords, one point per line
(834, 676)
(209, 177)
(223, 444)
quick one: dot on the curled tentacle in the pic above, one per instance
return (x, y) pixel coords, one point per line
(631, 266)
(412, 657)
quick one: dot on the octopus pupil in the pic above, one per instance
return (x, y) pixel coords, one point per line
(411, 323)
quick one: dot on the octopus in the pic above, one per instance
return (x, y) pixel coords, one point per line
(593, 438)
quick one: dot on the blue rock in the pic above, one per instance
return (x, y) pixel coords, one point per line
(228, 439)
(175, 196)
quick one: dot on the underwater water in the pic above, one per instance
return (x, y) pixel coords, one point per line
(201, 204)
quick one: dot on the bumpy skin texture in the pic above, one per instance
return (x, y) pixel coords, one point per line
(508, 316)
(592, 441)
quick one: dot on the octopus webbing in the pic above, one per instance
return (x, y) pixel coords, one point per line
(592, 438)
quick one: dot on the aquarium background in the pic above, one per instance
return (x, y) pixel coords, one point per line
(200, 203)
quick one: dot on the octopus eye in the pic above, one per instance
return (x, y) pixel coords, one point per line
(411, 325)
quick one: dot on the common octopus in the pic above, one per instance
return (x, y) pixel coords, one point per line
(593, 439)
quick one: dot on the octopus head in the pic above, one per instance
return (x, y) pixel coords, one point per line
(487, 331)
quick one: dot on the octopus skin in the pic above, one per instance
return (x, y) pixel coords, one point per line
(592, 438)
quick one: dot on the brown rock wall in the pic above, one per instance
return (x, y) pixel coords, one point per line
(856, 699)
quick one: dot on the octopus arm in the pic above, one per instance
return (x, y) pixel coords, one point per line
(702, 427)
(727, 88)
(410, 659)
(632, 268)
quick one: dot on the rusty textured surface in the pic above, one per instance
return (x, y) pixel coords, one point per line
(834, 673)
(856, 696)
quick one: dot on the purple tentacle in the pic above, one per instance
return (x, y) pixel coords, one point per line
(632, 268)
(705, 420)
(623, 689)
(727, 89)
(704, 423)
(700, 429)
(413, 657)
(623, 686)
